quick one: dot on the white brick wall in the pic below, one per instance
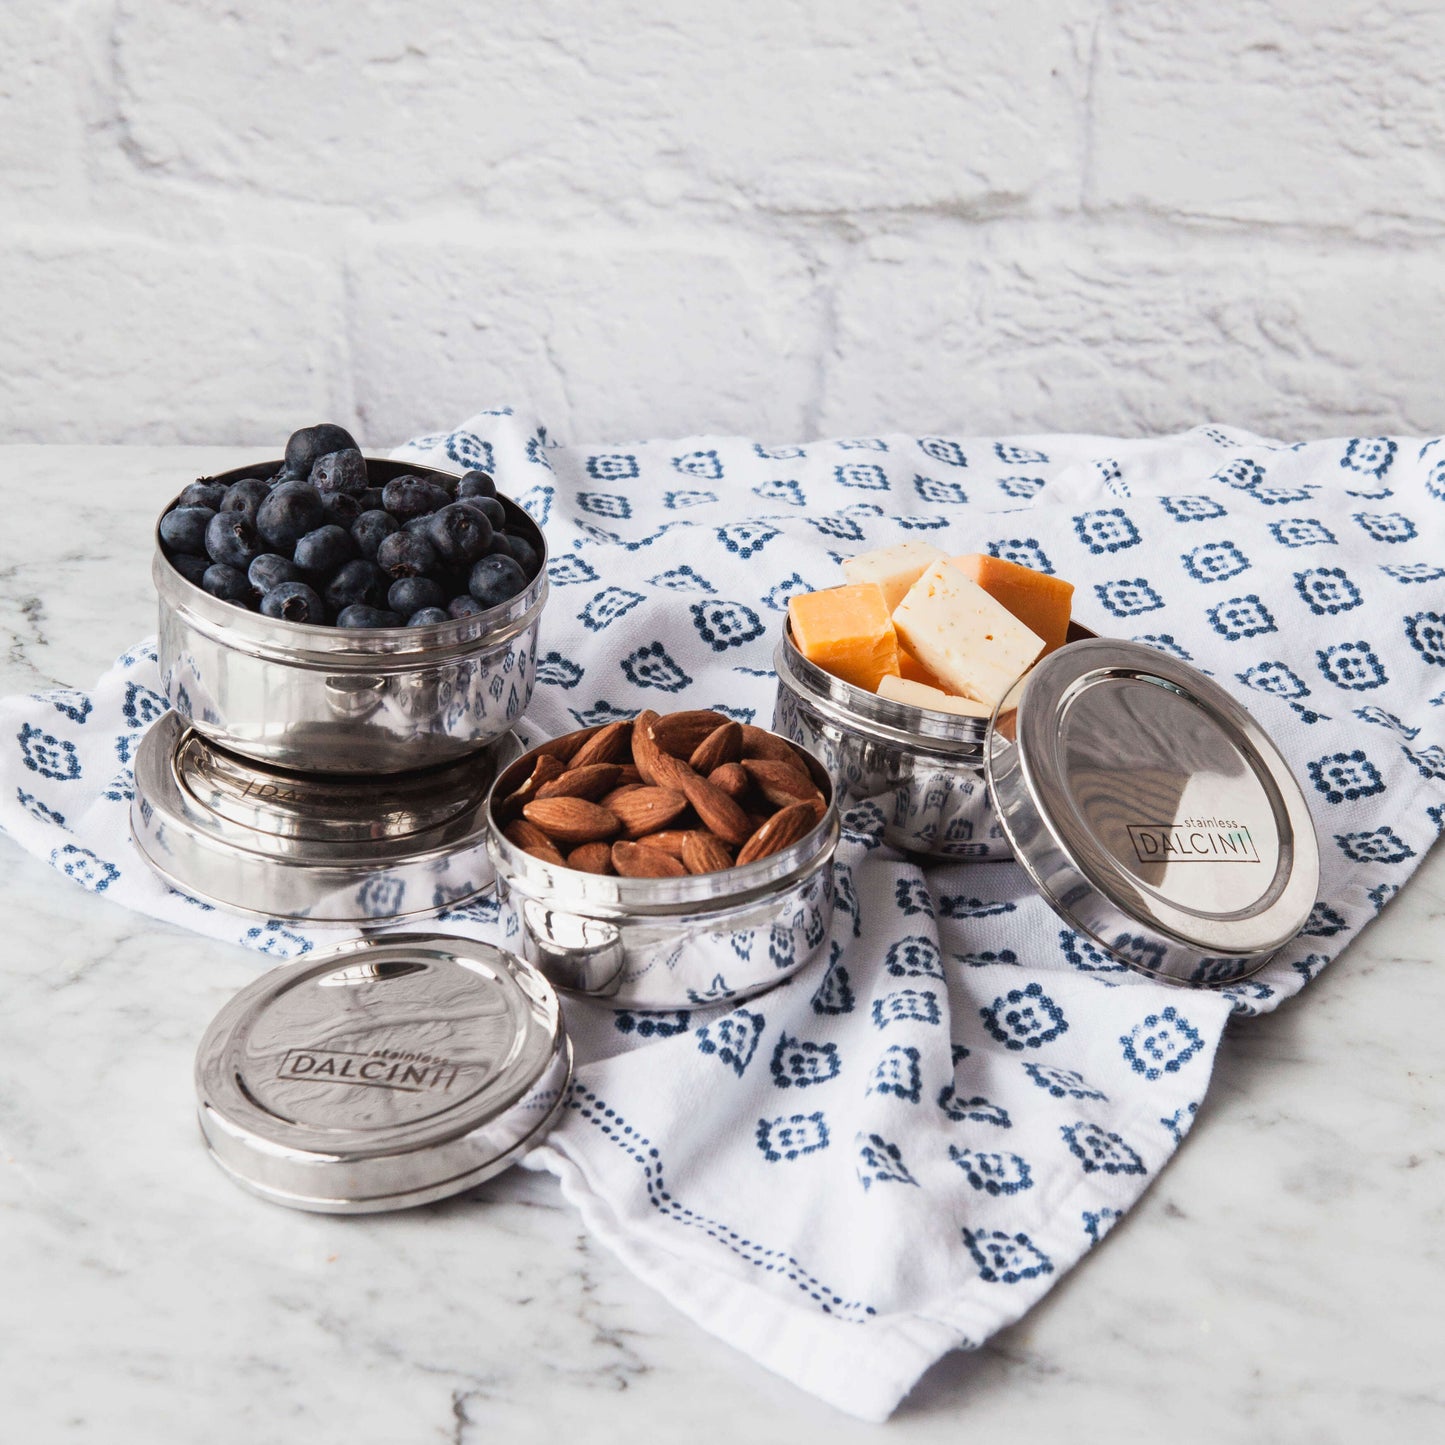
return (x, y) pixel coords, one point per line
(780, 217)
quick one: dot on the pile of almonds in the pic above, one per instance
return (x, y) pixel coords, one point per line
(663, 797)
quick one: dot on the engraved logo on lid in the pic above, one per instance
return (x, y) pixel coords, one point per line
(407, 1073)
(1194, 840)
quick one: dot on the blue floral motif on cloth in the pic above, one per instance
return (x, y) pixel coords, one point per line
(800, 1166)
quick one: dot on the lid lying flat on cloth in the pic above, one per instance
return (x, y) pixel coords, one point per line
(322, 847)
(1152, 812)
(384, 1073)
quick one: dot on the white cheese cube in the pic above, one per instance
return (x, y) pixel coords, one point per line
(919, 694)
(894, 569)
(972, 644)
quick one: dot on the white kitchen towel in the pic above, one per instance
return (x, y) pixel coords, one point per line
(899, 1150)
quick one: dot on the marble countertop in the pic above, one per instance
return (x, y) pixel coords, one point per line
(1279, 1283)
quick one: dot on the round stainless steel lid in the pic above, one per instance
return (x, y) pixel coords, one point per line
(326, 848)
(1152, 812)
(384, 1073)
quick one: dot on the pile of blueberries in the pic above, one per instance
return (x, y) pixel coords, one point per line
(318, 543)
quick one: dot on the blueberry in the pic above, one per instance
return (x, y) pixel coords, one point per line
(371, 529)
(496, 579)
(523, 553)
(464, 606)
(358, 582)
(270, 570)
(407, 497)
(183, 529)
(191, 567)
(406, 554)
(227, 583)
(360, 616)
(341, 507)
(295, 602)
(426, 617)
(306, 447)
(325, 550)
(419, 524)
(290, 511)
(343, 471)
(230, 538)
(371, 500)
(203, 493)
(410, 594)
(459, 533)
(246, 496)
(489, 507)
(476, 484)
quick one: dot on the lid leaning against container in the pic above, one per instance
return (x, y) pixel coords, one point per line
(387, 1072)
(1152, 812)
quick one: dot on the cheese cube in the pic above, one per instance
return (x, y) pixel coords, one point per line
(917, 694)
(970, 641)
(1039, 601)
(846, 631)
(910, 667)
(894, 569)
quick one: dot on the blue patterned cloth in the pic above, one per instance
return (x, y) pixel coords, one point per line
(898, 1151)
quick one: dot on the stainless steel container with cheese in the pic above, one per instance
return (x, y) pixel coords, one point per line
(1146, 806)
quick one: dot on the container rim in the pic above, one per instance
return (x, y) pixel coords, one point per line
(305, 643)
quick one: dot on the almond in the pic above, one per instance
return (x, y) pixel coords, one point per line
(592, 858)
(543, 771)
(660, 769)
(607, 746)
(590, 780)
(627, 773)
(572, 820)
(680, 733)
(718, 812)
(731, 779)
(648, 810)
(759, 743)
(780, 783)
(548, 854)
(780, 831)
(721, 745)
(702, 853)
(669, 840)
(526, 835)
(565, 748)
(633, 860)
(620, 791)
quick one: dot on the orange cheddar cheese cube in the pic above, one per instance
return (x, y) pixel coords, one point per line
(847, 631)
(1039, 601)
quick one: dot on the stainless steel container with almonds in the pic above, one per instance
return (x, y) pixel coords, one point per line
(338, 700)
(666, 937)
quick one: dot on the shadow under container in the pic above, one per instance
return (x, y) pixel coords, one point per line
(340, 700)
(666, 943)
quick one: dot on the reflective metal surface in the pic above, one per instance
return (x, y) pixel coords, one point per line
(1153, 813)
(330, 699)
(311, 846)
(667, 943)
(922, 770)
(385, 1073)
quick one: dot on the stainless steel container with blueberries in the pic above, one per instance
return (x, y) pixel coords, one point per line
(325, 699)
